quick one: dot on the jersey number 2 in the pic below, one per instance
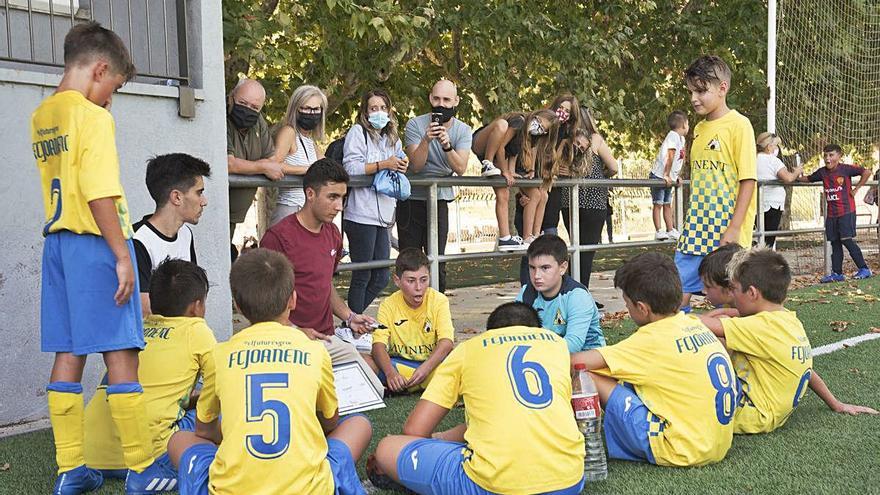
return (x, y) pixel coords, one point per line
(524, 375)
(723, 381)
(259, 410)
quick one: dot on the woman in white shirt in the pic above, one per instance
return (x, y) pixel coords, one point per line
(770, 167)
(295, 145)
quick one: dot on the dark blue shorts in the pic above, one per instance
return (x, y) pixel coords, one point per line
(660, 195)
(627, 426)
(77, 310)
(434, 467)
(840, 228)
(195, 464)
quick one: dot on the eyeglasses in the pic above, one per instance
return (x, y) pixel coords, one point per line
(310, 109)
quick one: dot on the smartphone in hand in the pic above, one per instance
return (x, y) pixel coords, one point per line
(436, 117)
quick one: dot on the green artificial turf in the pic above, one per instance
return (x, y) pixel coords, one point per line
(817, 451)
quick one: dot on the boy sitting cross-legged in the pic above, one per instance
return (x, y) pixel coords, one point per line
(179, 345)
(675, 401)
(768, 344)
(521, 436)
(274, 387)
(418, 332)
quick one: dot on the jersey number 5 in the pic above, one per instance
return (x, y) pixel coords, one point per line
(259, 410)
(528, 379)
(723, 381)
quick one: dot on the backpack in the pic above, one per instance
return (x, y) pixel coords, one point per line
(335, 150)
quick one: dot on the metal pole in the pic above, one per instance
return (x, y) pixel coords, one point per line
(759, 198)
(575, 232)
(771, 66)
(679, 207)
(457, 202)
(433, 234)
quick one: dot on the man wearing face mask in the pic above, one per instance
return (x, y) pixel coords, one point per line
(437, 145)
(249, 145)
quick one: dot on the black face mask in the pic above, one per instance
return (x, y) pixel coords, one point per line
(243, 117)
(308, 121)
(446, 113)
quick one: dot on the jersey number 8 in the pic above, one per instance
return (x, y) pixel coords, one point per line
(723, 381)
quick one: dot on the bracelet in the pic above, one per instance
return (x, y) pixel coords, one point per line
(350, 317)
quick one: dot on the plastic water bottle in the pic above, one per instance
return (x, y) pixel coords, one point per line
(587, 413)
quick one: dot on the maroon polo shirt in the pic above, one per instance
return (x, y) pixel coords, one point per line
(314, 258)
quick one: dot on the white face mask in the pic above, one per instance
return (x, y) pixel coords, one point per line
(536, 129)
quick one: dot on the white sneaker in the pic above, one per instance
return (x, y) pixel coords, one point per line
(528, 240)
(363, 344)
(661, 236)
(489, 169)
(673, 234)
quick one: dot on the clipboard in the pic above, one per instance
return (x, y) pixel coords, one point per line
(354, 391)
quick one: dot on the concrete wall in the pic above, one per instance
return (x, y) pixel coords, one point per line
(147, 124)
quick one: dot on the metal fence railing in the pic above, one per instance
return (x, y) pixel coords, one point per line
(155, 32)
(246, 181)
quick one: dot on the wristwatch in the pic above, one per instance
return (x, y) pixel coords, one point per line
(448, 149)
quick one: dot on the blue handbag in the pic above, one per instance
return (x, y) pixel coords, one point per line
(392, 183)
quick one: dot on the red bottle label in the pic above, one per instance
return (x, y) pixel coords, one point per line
(585, 406)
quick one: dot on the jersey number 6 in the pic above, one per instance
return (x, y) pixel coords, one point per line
(528, 379)
(259, 410)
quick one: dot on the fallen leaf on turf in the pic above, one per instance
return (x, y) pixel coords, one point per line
(4, 467)
(470, 330)
(839, 326)
(875, 330)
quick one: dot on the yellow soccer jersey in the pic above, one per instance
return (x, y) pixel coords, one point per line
(772, 358)
(722, 155)
(516, 385)
(414, 333)
(74, 144)
(270, 379)
(683, 375)
(177, 350)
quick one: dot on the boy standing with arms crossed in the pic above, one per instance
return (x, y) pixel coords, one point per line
(840, 216)
(88, 274)
(723, 174)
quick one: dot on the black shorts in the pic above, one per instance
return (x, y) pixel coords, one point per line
(842, 227)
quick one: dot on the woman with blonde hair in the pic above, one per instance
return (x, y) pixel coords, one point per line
(296, 144)
(538, 159)
(372, 144)
(770, 167)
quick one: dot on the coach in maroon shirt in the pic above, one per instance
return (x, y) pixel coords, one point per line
(313, 244)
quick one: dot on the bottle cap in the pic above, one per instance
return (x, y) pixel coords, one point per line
(580, 366)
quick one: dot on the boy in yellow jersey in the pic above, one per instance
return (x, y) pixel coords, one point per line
(675, 401)
(521, 436)
(723, 174)
(281, 431)
(769, 347)
(88, 273)
(418, 329)
(179, 345)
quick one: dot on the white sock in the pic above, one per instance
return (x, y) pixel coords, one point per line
(505, 238)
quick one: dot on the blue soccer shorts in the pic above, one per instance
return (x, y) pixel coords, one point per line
(195, 465)
(435, 467)
(689, 272)
(628, 425)
(77, 311)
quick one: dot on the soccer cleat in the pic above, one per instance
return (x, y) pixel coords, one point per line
(673, 234)
(78, 480)
(862, 273)
(514, 243)
(489, 169)
(159, 477)
(661, 236)
(832, 277)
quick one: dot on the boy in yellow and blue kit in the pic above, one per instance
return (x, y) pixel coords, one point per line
(676, 398)
(274, 386)
(418, 333)
(723, 174)
(88, 273)
(768, 345)
(520, 437)
(178, 347)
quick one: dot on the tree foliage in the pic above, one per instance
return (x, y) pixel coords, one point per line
(624, 59)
